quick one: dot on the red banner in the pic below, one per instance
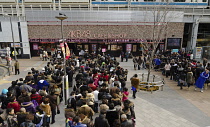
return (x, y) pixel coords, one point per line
(68, 54)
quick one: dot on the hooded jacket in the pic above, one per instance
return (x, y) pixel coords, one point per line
(29, 106)
(46, 108)
(42, 83)
(135, 82)
(101, 121)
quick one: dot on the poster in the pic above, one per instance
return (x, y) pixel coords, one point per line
(86, 48)
(103, 49)
(134, 48)
(94, 47)
(35, 46)
(162, 47)
(198, 52)
(175, 50)
(113, 47)
(128, 47)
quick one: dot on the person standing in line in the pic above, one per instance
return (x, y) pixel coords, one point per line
(190, 78)
(167, 69)
(205, 61)
(17, 67)
(135, 60)
(41, 53)
(201, 80)
(126, 56)
(139, 62)
(122, 56)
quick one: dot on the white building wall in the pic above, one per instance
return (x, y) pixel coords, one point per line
(24, 36)
(6, 34)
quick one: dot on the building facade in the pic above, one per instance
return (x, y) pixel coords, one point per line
(110, 26)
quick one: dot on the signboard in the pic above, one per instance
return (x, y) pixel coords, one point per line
(198, 52)
(94, 47)
(16, 45)
(175, 50)
(174, 43)
(134, 48)
(35, 46)
(103, 49)
(128, 47)
(4, 52)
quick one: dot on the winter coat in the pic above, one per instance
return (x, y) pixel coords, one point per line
(53, 101)
(104, 107)
(101, 121)
(190, 78)
(127, 123)
(25, 87)
(29, 106)
(36, 97)
(21, 117)
(46, 108)
(42, 83)
(111, 116)
(29, 77)
(86, 110)
(14, 105)
(12, 121)
(17, 65)
(135, 82)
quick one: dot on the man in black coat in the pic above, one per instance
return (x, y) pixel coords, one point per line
(101, 121)
(70, 75)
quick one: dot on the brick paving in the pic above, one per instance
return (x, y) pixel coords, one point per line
(171, 107)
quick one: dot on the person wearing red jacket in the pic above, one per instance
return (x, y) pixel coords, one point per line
(14, 104)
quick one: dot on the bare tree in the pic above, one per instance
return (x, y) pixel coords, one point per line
(161, 16)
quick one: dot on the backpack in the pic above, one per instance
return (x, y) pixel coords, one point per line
(37, 119)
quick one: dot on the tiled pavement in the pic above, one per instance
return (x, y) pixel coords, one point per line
(171, 107)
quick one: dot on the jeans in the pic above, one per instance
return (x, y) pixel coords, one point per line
(95, 107)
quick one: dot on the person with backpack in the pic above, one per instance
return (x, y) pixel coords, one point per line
(38, 117)
(36, 97)
(21, 116)
(28, 122)
(11, 118)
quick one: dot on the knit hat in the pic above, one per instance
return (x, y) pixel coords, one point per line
(4, 91)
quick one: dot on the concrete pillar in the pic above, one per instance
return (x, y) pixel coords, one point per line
(25, 41)
(192, 43)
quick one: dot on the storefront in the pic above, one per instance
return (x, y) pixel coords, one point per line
(110, 39)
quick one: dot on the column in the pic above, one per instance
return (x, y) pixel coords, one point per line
(192, 43)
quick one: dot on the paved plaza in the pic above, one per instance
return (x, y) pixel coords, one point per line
(171, 107)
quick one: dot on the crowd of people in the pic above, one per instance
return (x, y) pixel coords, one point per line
(99, 86)
(180, 67)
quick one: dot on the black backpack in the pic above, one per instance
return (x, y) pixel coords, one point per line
(37, 119)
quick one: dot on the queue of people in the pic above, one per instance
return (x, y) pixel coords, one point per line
(99, 86)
